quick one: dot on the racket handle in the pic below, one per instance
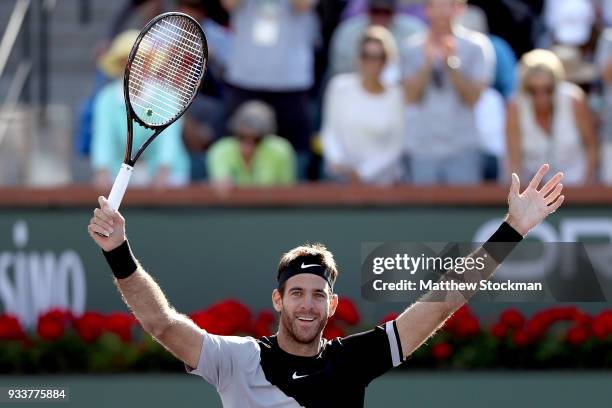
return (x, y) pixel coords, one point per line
(120, 185)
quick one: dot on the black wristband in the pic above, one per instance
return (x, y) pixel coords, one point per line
(502, 242)
(121, 260)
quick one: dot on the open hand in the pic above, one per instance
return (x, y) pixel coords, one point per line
(529, 208)
(107, 226)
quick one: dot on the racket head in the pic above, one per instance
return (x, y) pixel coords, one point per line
(165, 70)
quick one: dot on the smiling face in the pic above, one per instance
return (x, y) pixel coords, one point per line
(305, 306)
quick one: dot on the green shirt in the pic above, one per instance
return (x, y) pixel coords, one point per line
(272, 164)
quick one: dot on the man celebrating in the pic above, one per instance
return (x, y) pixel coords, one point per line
(296, 366)
(445, 70)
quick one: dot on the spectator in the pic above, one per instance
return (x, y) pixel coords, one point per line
(604, 64)
(362, 124)
(164, 163)
(272, 60)
(445, 71)
(345, 42)
(505, 58)
(253, 156)
(550, 122)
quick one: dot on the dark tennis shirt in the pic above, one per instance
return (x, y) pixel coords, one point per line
(256, 373)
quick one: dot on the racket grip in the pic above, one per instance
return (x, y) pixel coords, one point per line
(120, 185)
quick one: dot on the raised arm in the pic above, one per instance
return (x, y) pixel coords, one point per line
(176, 332)
(468, 89)
(526, 210)
(415, 85)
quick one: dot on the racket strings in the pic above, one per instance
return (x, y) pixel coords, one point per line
(146, 48)
(196, 55)
(166, 70)
(157, 77)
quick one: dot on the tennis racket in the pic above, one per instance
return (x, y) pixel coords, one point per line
(162, 76)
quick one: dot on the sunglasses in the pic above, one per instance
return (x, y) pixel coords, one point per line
(540, 90)
(370, 56)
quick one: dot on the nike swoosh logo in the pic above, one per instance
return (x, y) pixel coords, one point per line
(304, 266)
(296, 377)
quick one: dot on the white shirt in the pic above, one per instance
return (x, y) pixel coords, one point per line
(564, 148)
(363, 131)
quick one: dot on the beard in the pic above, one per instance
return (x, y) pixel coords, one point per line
(300, 334)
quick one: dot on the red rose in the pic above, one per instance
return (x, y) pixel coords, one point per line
(499, 330)
(231, 317)
(10, 328)
(441, 351)
(599, 329)
(602, 325)
(205, 321)
(570, 313)
(576, 335)
(50, 328)
(467, 327)
(520, 338)
(51, 324)
(61, 315)
(463, 323)
(460, 313)
(389, 317)
(537, 328)
(512, 319)
(581, 318)
(332, 331)
(264, 324)
(90, 326)
(120, 324)
(347, 312)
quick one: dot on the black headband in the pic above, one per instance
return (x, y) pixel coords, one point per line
(306, 264)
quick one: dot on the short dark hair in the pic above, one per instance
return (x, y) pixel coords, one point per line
(316, 250)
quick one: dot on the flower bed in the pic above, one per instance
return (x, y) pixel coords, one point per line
(556, 338)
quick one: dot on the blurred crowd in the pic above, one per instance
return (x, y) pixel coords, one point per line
(373, 91)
